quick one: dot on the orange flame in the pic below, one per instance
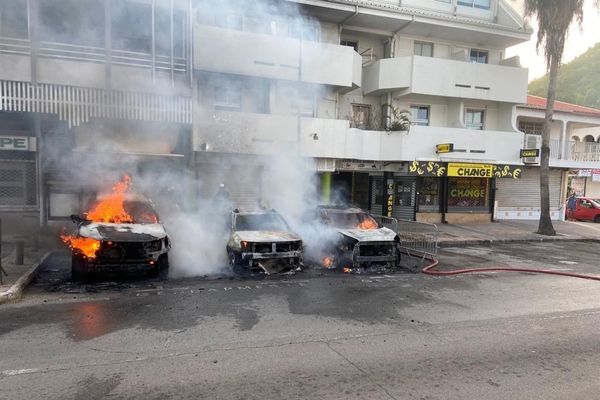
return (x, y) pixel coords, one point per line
(347, 270)
(86, 246)
(111, 208)
(368, 224)
(328, 262)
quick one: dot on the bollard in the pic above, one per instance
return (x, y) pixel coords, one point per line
(20, 252)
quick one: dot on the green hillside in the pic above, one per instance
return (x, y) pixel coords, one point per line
(578, 81)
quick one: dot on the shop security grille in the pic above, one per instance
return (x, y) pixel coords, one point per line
(78, 105)
(18, 183)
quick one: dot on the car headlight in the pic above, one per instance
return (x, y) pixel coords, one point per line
(155, 245)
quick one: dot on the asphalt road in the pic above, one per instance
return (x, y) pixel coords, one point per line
(314, 336)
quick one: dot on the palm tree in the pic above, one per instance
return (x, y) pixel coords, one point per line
(554, 19)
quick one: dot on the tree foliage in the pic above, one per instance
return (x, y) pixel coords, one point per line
(578, 80)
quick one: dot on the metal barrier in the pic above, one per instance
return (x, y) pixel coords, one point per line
(416, 238)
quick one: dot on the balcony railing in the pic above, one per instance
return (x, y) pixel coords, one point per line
(68, 51)
(583, 151)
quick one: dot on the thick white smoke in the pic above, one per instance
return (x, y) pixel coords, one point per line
(185, 200)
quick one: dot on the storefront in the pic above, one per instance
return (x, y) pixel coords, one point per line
(458, 192)
(585, 182)
(520, 199)
(19, 209)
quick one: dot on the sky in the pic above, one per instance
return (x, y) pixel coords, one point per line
(579, 40)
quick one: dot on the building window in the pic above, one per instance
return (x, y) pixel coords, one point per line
(475, 119)
(62, 204)
(303, 106)
(13, 19)
(428, 193)
(424, 49)
(79, 22)
(468, 193)
(419, 115)
(531, 128)
(228, 96)
(361, 116)
(350, 43)
(162, 29)
(131, 26)
(305, 31)
(481, 4)
(479, 56)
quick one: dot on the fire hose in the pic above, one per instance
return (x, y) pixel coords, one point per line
(429, 270)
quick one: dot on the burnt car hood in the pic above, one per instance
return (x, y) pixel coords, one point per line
(267, 236)
(369, 235)
(123, 232)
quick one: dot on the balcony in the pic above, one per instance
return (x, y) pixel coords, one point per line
(575, 153)
(262, 134)
(86, 66)
(418, 144)
(266, 56)
(447, 78)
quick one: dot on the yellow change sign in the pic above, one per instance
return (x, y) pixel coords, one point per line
(471, 170)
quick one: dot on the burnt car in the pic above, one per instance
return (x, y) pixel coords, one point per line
(263, 240)
(355, 239)
(130, 240)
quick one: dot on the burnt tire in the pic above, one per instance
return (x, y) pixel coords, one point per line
(233, 258)
(78, 268)
(161, 269)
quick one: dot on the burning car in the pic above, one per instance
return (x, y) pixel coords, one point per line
(356, 240)
(263, 240)
(120, 233)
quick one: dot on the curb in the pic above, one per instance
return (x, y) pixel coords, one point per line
(489, 242)
(16, 290)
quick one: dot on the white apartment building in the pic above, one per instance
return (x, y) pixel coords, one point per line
(88, 89)
(574, 159)
(219, 87)
(330, 80)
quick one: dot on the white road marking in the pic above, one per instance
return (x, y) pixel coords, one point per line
(13, 372)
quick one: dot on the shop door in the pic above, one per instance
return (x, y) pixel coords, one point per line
(405, 198)
(377, 195)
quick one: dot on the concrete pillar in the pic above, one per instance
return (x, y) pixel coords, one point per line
(326, 187)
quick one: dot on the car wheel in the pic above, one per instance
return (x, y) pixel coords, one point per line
(78, 268)
(597, 219)
(161, 267)
(233, 257)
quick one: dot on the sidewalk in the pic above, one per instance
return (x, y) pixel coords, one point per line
(514, 231)
(18, 276)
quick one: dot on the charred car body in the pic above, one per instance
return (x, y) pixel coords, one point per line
(355, 239)
(138, 244)
(263, 240)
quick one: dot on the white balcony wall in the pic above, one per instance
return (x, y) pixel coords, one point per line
(243, 133)
(231, 132)
(440, 77)
(266, 56)
(388, 74)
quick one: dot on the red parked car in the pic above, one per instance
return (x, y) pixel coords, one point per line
(586, 209)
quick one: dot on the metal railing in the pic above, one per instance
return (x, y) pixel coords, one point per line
(416, 238)
(75, 52)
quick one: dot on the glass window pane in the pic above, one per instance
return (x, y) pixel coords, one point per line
(132, 26)
(13, 19)
(427, 50)
(72, 21)
(484, 4)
